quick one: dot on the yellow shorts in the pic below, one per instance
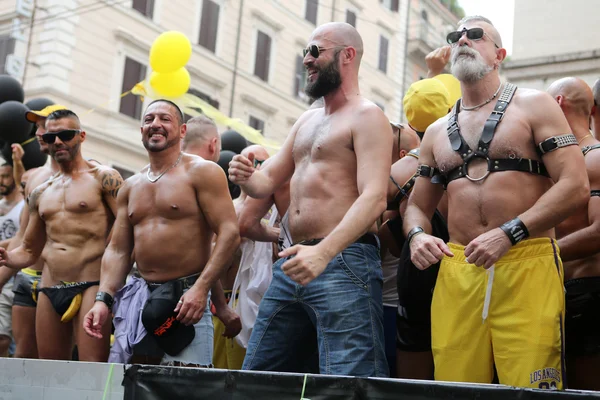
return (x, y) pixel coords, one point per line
(510, 315)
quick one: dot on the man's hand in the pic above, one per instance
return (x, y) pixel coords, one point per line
(308, 263)
(17, 152)
(437, 60)
(3, 256)
(94, 320)
(426, 250)
(487, 248)
(191, 306)
(241, 168)
(232, 321)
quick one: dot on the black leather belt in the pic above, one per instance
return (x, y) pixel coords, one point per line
(367, 238)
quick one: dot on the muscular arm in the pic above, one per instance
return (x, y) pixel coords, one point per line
(372, 138)
(586, 242)
(111, 182)
(116, 262)
(426, 195)
(250, 219)
(34, 238)
(565, 165)
(215, 202)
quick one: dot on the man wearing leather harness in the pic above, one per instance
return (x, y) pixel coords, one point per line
(510, 312)
(579, 236)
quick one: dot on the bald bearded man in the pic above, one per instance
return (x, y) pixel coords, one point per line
(338, 160)
(579, 242)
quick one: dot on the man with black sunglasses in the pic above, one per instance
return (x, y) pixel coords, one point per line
(71, 216)
(499, 296)
(330, 281)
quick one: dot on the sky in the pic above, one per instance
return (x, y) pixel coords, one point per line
(500, 12)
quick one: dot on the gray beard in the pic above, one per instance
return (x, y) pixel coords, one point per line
(469, 70)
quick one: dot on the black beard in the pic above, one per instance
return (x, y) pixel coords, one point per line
(329, 79)
(153, 148)
(7, 190)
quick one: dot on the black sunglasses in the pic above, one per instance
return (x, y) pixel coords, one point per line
(315, 50)
(472, 34)
(64, 136)
(258, 162)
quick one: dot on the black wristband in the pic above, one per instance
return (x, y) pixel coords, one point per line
(414, 231)
(516, 230)
(105, 298)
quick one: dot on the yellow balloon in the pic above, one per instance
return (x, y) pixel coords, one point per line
(170, 51)
(172, 84)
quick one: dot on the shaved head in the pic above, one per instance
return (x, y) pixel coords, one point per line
(577, 97)
(340, 34)
(487, 26)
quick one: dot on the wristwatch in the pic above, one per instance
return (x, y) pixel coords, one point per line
(105, 298)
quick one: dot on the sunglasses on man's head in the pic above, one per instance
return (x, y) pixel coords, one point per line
(315, 50)
(472, 34)
(64, 136)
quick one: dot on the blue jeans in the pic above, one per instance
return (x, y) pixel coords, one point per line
(343, 305)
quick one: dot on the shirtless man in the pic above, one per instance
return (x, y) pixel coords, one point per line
(595, 120)
(491, 213)
(70, 218)
(579, 243)
(11, 205)
(168, 214)
(202, 138)
(338, 159)
(28, 279)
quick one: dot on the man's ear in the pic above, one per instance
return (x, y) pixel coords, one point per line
(402, 153)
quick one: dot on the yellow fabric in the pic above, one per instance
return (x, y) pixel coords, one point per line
(522, 333)
(227, 353)
(425, 102)
(31, 272)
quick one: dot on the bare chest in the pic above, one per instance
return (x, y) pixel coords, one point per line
(79, 196)
(320, 139)
(173, 198)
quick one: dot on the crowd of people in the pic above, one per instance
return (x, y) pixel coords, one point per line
(363, 247)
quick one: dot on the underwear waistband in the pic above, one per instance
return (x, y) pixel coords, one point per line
(185, 281)
(525, 249)
(367, 238)
(31, 272)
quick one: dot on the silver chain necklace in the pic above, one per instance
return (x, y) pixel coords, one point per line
(165, 171)
(484, 103)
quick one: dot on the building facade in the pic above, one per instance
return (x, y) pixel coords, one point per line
(246, 60)
(543, 54)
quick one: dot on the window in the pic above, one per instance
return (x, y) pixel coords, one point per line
(263, 56)
(300, 78)
(351, 18)
(131, 104)
(7, 47)
(125, 173)
(146, 7)
(392, 5)
(383, 54)
(312, 7)
(208, 25)
(257, 124)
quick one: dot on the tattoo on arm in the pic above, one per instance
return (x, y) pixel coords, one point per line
(111, 182)
(32, 200)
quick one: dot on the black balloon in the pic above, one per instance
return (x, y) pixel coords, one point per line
(224, 159)
(14, 128)
(10, 89)
(33, 157)
(233, 141)
(38, 104)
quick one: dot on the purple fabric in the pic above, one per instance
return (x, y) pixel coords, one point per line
(127, 310)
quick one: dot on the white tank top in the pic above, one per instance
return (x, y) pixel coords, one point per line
(9, 223)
